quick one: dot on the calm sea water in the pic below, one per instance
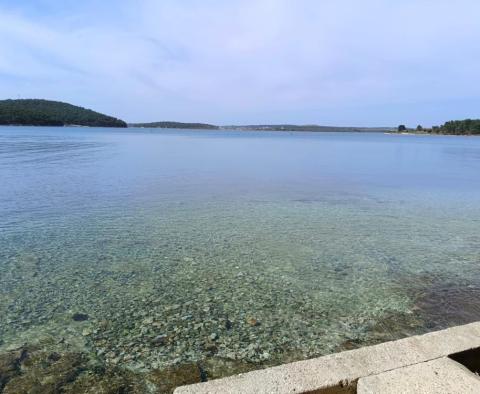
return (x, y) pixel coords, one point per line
(233, 249)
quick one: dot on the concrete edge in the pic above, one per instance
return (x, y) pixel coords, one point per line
(338, 373)
(442, 375)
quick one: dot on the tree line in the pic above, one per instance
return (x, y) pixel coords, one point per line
(453, 127)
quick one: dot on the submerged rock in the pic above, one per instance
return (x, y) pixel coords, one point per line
(251, 321)
(80, 317)
(86, 332)
(218, 367)
(43, 372)
(160, 340)
(109, 382)
(10, 366)
(32, 371)
(209, 346)
(166, 380)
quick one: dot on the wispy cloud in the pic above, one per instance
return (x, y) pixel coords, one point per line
(342, 62)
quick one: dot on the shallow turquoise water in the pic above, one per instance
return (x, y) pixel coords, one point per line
(182, 246)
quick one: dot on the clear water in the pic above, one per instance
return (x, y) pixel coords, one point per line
(258, 247)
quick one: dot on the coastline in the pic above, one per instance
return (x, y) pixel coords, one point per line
(333, 129)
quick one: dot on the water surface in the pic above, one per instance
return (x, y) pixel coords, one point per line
(233, 248)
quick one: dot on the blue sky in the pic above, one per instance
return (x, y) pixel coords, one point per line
(332, 62)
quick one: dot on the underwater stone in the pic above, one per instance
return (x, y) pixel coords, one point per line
(80, 317)
(167, 379)
(160, 340)
(9, 366)
(217, 367)
(42, 373)
(107, 383)
(86, 332)
(251, 321)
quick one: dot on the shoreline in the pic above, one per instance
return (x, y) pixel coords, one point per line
(240, 129)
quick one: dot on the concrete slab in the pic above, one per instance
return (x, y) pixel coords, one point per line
(339, 373)
(441, 376)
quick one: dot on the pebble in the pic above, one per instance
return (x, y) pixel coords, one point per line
(86, 332)
(265, 356)
(160, 340)
(251, 321)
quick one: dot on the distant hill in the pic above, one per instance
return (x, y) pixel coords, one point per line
(175, 125)
(35, 112)
(316, 128)
(279, 127)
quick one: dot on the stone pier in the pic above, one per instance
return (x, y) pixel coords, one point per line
(440, 362)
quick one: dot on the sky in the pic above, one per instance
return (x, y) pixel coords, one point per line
(328, 62)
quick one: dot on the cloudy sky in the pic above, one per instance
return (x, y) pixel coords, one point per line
(333, 62)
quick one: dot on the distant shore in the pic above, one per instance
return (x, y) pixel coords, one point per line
(40, 112)
(266, 127)
(325, 129)
(417, 133)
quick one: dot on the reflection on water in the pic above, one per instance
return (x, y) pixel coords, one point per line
(183, 256)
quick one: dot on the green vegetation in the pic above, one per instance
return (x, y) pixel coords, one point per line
(453, 127)
(459, 127)
(175, 125)
(34, 112)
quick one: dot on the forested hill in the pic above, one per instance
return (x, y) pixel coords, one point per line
(35, 112)
(175, 125)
